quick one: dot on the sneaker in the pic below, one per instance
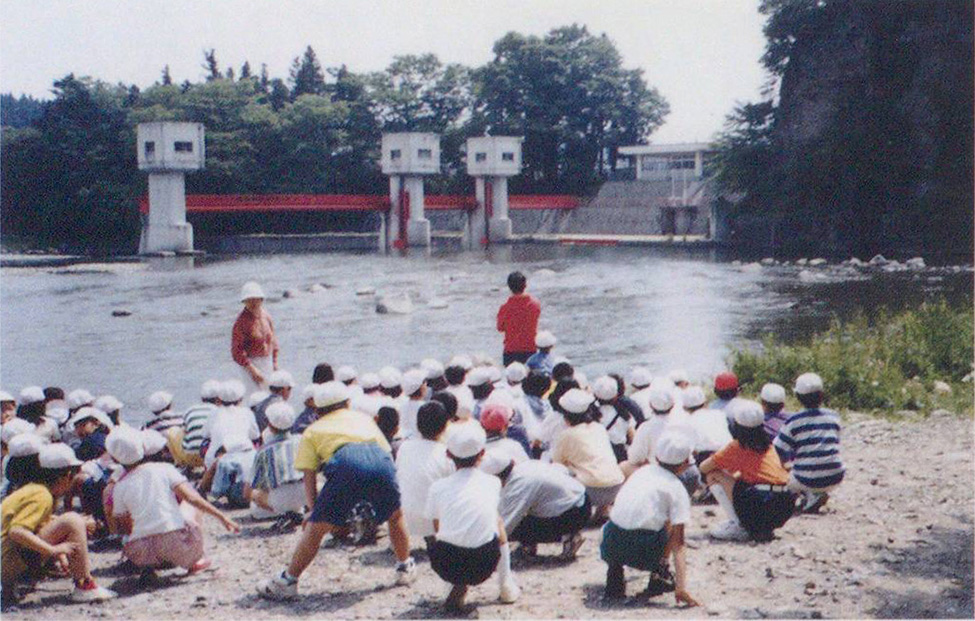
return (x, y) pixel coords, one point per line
(570, 547)
(729, 531)
(510, 592)
(406, 572)
(278, 588)
(815, 502)
(363, 523)
(92, 593)
(661, 581)
(527, 550)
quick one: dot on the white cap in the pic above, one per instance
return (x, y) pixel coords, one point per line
(281, 415)
(576, 401)
(53, 456)
(545, 339)
(152, 441)
(390, 377)
(57, 410)
(673, 448)
(85, 413)
(255, 398)
(308, 392)
(369, 381)
(494, 462)
(210, 389)
(370, 404)
(13, 428)
(661, 400)
(516, 372)
(433, 367)
(345, 373)
(746, 412)
(79, 397)
(251, 290)
(31, 394)
(466, 441)
(493, 373)
(6, 396)
(25, 444)
(232, 391)
(108, 403)
(159, 401)
(125, 445)
(640, 377)
(281, 379)
(773, 393)
(605, 388)
(808, 383)
(478, 376)
(693, 396)
(462, 361)
(412, 380)
(678, 375)
(331, 393)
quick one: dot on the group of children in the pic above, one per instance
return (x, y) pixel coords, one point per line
(462, 459)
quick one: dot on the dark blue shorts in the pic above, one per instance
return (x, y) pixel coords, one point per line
(358, 473)
(639, 548)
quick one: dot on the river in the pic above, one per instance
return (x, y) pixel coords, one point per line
(610, 308)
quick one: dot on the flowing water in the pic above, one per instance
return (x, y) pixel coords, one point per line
(610, 308)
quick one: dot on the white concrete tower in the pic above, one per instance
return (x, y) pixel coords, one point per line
(491, 160)
(167, 150)
(406, 157)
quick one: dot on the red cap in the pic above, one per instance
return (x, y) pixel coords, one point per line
(495, 417)
(726, 381)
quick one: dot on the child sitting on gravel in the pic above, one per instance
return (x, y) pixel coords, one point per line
(156, 505)
(32, 538)
(647, 523)
(810, 441)
(276, 486)
(747, 479)
(470, 536)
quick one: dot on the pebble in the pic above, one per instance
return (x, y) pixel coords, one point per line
(437, 303)
(817, 262)
(797, 552)
(121, 312)
(365, 291)
(290, 293)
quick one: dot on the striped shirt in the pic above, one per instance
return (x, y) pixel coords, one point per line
(194, 426)
(811, 440)
(274, 464)
(164, 420)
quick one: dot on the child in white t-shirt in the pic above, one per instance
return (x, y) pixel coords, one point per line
(471, 538)
(158, 508)
(421, 461)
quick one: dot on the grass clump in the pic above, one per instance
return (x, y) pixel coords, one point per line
(889, 363)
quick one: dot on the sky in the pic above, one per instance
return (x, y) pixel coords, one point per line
(702, 55)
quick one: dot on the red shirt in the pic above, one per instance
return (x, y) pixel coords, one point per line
(518, 319)
(754, 467)
(253, 337)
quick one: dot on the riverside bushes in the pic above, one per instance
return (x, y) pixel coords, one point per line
(890, 363)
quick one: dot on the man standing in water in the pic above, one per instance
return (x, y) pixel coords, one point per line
(253, 344)
(518, 319)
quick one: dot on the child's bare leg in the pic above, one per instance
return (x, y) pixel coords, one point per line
(259, 497)
(307, 547)
(207, 480)
(398, 536)
(70, 527)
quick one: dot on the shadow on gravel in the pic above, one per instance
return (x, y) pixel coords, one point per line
(593, 597)
(308, 604)
(940, 554)
(433, 609)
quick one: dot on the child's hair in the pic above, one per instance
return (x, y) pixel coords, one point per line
(811, 400)
(536, 384)
(455, 375)
(517, 282)
(52, 393)
(467, 462)
(417, 393)
(50, 476)
(726, 395)
(431, 419)
(32, 412)
(448, 401)
(388, 421)
(437, 383)
(328, 409)
(482, 391)
(393, 392)
(23, 470)
(773, 408)
(590, 415)
(562, 371)
(751, 438)
(620, 384)
(560, 389)
(322, 373)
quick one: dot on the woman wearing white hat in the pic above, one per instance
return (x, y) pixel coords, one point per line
(253, 344)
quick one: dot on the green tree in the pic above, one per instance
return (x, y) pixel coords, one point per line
(306, 75)
(211, 66)
(419, 93)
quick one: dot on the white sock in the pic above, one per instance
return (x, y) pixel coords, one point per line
(504, 566)
(724, 502)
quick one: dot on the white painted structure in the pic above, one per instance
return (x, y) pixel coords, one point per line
(491, 160)
(406, 157)
(167, 151)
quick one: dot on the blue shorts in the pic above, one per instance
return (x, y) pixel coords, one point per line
(358, 473)
(639, 548)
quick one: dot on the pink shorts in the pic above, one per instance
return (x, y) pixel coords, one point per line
(179, 548)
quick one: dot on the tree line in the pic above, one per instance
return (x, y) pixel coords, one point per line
(69, 176)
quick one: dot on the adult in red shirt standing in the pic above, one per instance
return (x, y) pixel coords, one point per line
(518, 319)
(253, 344)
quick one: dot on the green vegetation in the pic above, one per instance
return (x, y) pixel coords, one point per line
(888, 364)
(69, 175)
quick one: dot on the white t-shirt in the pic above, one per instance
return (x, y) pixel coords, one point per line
(710, 429)
(647, 434)
(146, 494)
(419, 463)
(506, 449)
(650, 498)
(228, 424)
(466, 504)
(465, 400)
(620, 426)
(407, 418)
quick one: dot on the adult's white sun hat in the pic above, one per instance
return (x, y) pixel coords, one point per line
(251, 291)
(808, 383)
